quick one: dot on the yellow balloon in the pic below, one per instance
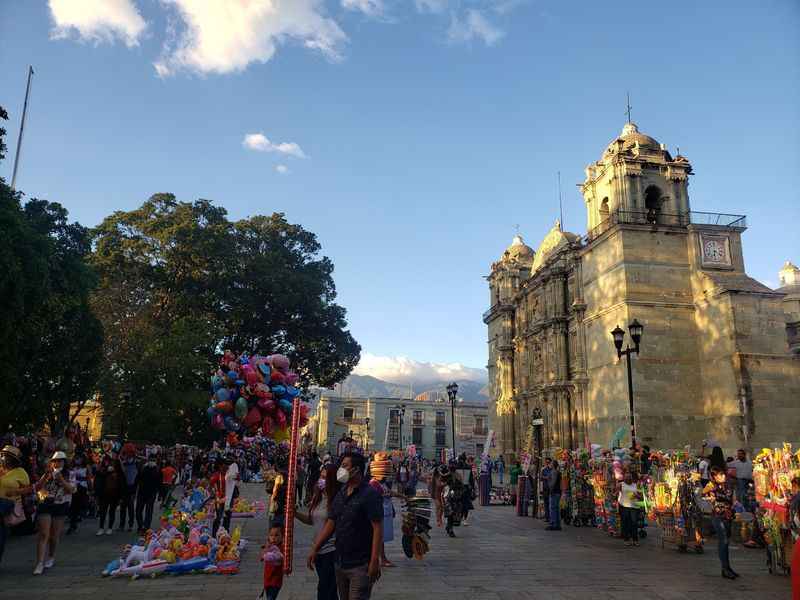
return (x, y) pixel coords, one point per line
(282, 435)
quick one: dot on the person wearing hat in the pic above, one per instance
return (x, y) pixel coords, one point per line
(54, 491)
(14, 483)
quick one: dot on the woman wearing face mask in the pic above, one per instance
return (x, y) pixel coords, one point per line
(324, 492)
(54, 491)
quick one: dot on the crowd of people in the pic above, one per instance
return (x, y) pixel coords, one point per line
(50, 486)
(721, 485)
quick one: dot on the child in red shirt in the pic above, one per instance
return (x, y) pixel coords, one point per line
(273, 564)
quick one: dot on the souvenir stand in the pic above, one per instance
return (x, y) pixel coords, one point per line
(773, 471)
(604, 486)
(581, 491)
(674, 503)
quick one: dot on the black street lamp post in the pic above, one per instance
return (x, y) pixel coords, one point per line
(366, 440)
(635, 329)
(401, 413)
(537, 420)
(452, 394)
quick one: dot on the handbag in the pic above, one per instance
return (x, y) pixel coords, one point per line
(16, 516)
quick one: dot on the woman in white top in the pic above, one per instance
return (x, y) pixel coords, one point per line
(54, 491)
(318, 509)
(629, 498)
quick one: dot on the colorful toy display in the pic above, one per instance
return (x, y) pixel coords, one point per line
(773, 471)
(182, 544)
(255, 394)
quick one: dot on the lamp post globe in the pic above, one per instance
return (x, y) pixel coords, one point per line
(636, 329)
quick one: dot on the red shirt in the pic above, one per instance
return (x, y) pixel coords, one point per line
(168, 475)
(273, 576)
(218, 484)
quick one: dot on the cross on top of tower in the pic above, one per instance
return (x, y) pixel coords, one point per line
(628, 106)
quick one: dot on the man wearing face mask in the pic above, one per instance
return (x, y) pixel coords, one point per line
(357, 519)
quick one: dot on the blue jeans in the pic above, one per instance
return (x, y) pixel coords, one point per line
(741, 492)
(326, 572)
(6, 506)
(722, 529)
(555, 510)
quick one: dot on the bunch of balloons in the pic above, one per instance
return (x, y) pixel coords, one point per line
(253, 394)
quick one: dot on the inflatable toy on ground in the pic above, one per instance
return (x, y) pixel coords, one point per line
(183, 544)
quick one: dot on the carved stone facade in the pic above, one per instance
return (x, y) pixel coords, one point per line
(714, 360)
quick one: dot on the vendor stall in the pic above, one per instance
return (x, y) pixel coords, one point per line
(773, 471)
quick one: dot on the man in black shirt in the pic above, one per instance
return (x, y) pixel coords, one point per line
(357, 519)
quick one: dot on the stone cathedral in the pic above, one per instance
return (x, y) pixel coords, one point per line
(714, 361)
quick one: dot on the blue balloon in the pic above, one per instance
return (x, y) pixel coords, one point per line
(286, 406)
(264, 368)
(234, 394)
(231, 424)
(292, 391)
(278, 391)
(222, 395)
(233, 375)
(216, 382)
(211, 412)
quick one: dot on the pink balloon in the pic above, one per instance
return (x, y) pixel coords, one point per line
(266, 405)
(217, 422)
(292, 378)
(279, 361)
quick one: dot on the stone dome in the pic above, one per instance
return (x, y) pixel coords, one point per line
(631, 136)
(518, 249)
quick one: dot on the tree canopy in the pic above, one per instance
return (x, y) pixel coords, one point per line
(50, 341)
(179, 282)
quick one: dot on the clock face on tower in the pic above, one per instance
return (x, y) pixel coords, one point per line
(715, 251)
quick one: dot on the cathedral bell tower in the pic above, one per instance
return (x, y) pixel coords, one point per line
(639, 180)
(504, 282)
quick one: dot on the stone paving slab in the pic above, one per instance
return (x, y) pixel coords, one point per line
(498, 557)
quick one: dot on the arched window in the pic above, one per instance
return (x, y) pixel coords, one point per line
(604, 210)
(652, 203)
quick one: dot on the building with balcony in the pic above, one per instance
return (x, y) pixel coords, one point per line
(715, 358)
(393, 423)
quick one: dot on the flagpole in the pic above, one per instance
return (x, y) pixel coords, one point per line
(21, 128)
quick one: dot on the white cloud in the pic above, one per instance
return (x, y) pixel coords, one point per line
(372, 8)
(97, 20)
(400, 369)
(224, 37)
(282, 169)
(261, 143)
(430, 6)
(473, 26)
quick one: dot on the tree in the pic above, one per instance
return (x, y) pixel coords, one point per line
(49, 339)
(282, 300)
(179, 282)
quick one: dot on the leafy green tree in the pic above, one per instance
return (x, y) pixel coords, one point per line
(179, 282)
(50, 341)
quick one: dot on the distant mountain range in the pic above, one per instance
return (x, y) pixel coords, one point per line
(366, 386)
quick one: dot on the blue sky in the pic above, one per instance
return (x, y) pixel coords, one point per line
(415, 135)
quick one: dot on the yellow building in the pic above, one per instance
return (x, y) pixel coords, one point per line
(90, 418)
(714, 360)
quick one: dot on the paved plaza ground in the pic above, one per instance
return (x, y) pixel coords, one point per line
(498, 557)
